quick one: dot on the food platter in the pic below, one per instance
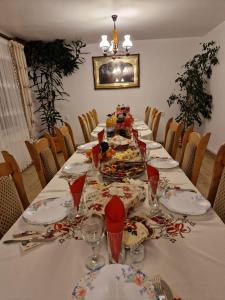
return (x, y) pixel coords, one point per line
(119, 170)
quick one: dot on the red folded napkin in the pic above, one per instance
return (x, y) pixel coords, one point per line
(76, 188)
(114, 218)
(100, 136)
(142, 147)
(95, 154)
(135, 134)
(153, 177)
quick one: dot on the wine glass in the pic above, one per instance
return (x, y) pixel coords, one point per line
(155, 191)
(92, 230)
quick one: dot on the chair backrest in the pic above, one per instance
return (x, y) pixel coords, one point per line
(155, 125)
(218, 170)
(147, 111)
(185, 138)
(194, 154)
(87, 122)
(90, 121)
(172, 137)
(151, 117)
(94, 112)
(43, 155)
(12, 168)
(93, 117)
(84, 127)
(12, 193)
(65, 138)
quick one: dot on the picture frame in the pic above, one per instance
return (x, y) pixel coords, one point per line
(116, 72)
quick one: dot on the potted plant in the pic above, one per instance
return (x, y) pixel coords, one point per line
(48, 62)
(193, 98)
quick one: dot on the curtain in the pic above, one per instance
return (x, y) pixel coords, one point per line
(13, 125)
(19, 61)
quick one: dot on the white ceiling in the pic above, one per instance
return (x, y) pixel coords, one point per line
(88, 19)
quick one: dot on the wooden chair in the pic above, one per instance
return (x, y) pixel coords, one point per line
(43, 155)
(93, 118)
(12, 193)
(94, 112)
(155, 125)
(185, 138)
(65, 138)
(87, 122)
(217, 175)
(91, 121)
(152, 114)
(16, 175)
(194, 154)
(172, 136)
(84, 127)
(146, 117)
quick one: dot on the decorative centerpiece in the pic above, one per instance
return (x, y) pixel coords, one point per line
(120, 122)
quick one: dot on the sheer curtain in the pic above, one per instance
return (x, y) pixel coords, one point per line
(19, 60)
(13, 126)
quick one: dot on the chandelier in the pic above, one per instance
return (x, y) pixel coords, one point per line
(112, 48)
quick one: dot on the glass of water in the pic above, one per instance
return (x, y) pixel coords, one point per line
(92, 231)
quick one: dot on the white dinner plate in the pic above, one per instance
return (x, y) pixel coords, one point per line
(151, 144)
(142, 127)
(103, 124)
(47, 211)
(162, 163)
(136, 123)
(185, 202)
(76, 168)
(115, 282)
(87, 146)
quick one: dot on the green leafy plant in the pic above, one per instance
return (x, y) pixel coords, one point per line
(48, 62)
(193, 98)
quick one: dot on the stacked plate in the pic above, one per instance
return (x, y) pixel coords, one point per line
(185, 202)
(88, 146)
(118, 282)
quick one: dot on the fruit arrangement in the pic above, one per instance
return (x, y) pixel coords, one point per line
(105, 153)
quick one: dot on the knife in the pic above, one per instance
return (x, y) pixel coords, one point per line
(34, 240)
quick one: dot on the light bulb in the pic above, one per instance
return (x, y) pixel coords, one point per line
(127, 43)
(104, 44)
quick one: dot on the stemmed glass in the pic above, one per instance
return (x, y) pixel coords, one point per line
(92, 230)
(155, 191)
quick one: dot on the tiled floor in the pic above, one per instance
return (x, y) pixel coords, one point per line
(33, 186)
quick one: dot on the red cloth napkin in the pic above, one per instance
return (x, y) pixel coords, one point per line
(76, 188)
(114, 218)
(135, 134)
(95, 154)
(142, 147)
(100, 136)
(153, 177)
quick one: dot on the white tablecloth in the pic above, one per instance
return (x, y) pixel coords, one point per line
(194, 266)
(144, 133)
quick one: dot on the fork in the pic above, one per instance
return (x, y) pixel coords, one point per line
(156, 280)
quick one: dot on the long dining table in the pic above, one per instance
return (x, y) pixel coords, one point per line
(188, 252)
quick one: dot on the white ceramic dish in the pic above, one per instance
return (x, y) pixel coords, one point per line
(151, 145)
(47, 211)
(162, 163)
(102, 124)
(115, 282)
(185, 202)
(142, 127)
(88, 146)
(75, 168)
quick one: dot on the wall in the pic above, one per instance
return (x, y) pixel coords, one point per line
(217, 87)
(160, 60)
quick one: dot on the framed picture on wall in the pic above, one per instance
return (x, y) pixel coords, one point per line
(116, 72)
